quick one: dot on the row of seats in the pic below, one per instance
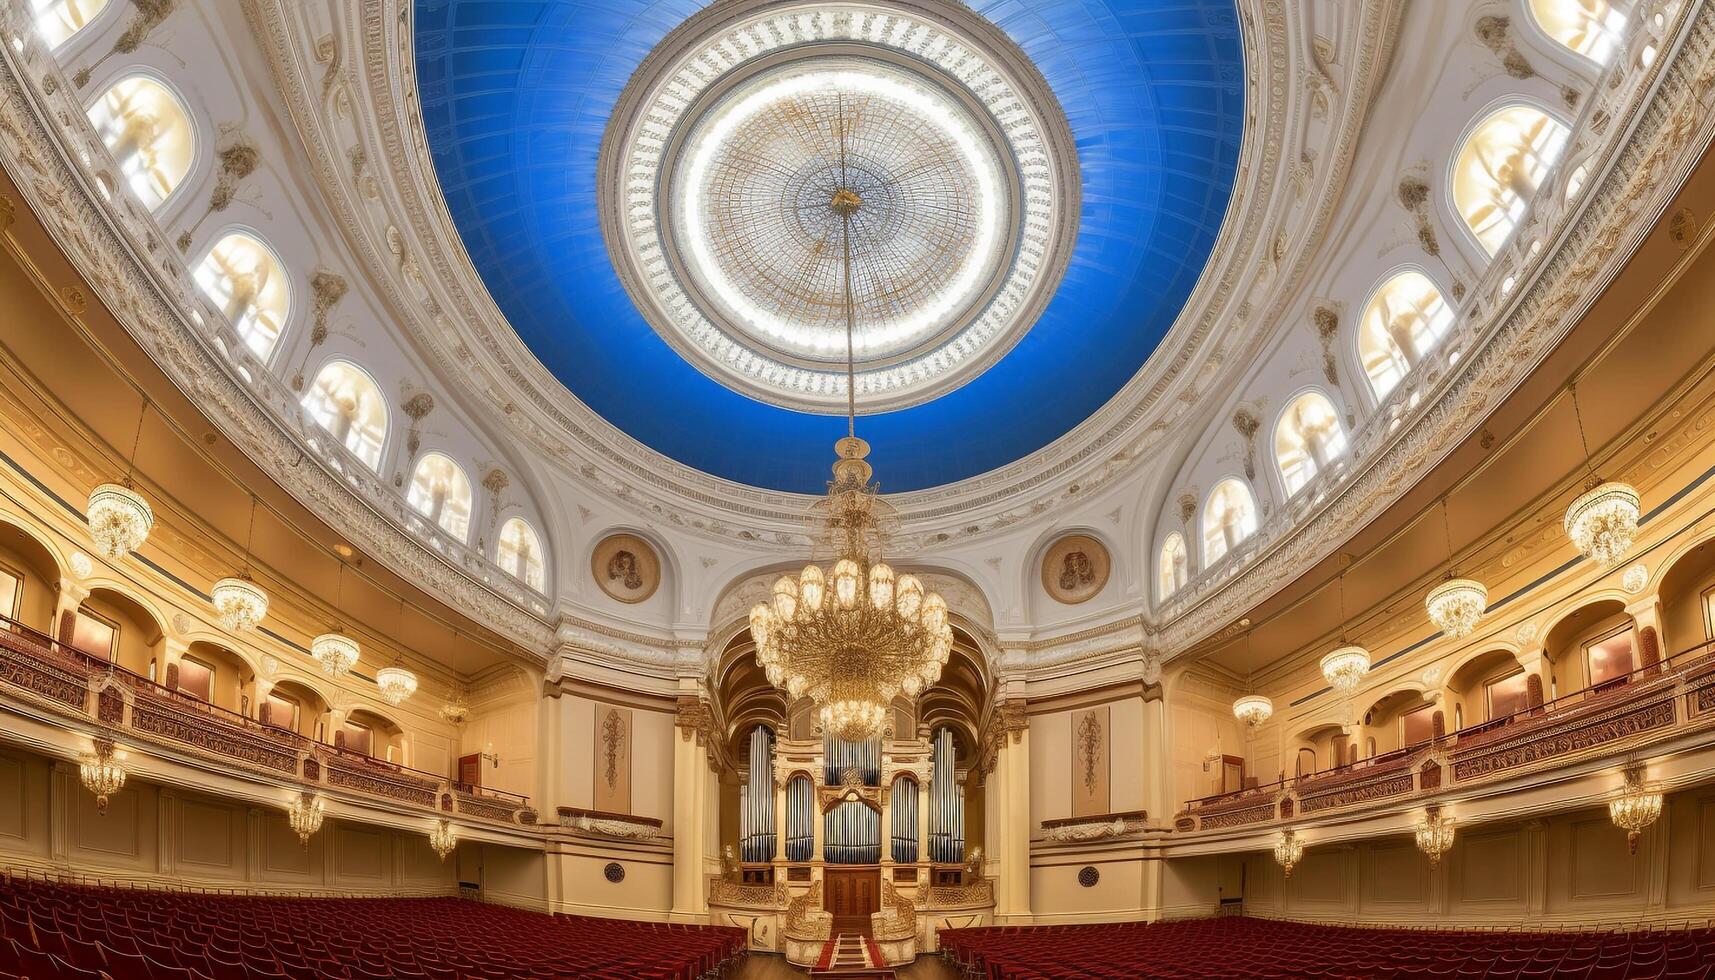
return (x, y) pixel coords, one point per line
(1236, 948)
(50, 930)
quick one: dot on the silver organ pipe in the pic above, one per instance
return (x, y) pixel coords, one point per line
(756, 800)
(800, 814)
(946, 803)
(904, 803)
(852, 831)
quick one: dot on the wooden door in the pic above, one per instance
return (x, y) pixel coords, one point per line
(851, 895)
(470, 770)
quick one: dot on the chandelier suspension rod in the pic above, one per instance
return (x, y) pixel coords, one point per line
(136, 441)
(1578, 414)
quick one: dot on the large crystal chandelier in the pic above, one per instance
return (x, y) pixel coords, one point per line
(443, 838)
(238, 600)
(336, 652)
(305, 814)
(1603, 520)
(1288, 851)
(1344, 669)
(1457, 605)
(1434, 835)
(102, 773)
(396, 683)
(854, 637)
(1637, 806)
(1253, 709)
(119, 518)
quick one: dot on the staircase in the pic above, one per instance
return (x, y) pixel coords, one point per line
(850, 955)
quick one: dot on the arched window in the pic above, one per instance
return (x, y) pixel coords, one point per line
(519, 553)
(1504, 160)
(1307, 439)
(58, 20)
(347, 403)
(148, 132)
(246, 280)
(441, 492)
(1593, 28)
(1405, 320)
(1229, 517)
(1173, 570)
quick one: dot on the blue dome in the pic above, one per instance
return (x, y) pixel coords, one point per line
(516, 97)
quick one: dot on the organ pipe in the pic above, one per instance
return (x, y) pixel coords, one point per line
(756, 800)
(851, 832)
(946, 803)
(863, 757)
(904, 803)
(800, 812)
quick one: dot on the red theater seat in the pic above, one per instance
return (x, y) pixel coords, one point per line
(50, 930)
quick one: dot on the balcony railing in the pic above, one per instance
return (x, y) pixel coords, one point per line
(125, 703)
(1653, 702)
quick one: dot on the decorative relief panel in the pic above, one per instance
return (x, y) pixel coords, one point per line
(1091, 733)
(1075, 568)
(626, 568)
(612, 768)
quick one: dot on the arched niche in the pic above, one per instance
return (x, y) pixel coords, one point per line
(1594, 645)
(1485, 688)
(1687, 595)
(367, 732)
(117, 628)
(217, 675)
(29, 579)
(1320, 749)
(1399, 719)
(296, 707)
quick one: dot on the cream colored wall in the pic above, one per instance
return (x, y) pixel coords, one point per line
(652, 737)
(1567, 869)
(508, 875)
(169, 838)
(36, 604)
(1051, 764)
(139, 636)
(1571, 667)
(1199, 719)
(510, 727)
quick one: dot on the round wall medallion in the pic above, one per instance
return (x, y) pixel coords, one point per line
(626, 567)
(1088, 876)
(761, 140)
(1075, 568)
(614, 872)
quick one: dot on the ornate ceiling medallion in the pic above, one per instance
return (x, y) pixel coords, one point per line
(717, 171)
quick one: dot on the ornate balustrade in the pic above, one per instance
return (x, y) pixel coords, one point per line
(134, 709)
(1653, 703)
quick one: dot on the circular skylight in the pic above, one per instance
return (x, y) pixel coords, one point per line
(764, 245)
(726, 155)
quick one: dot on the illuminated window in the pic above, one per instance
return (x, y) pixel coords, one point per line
(441, 492)
(1173, 570)
(1405, 320)
(196, 679)
(347, 403)
(519, 553)
(280, 711)
(11, 592)
(358, 738)
(58, 20)
(1593, 28)
(1307, 439)
(246, 280)
(1229, 517)
(1508, 695)
(1503, 162)
(1610, 658)
(95, 635)
(148, 132)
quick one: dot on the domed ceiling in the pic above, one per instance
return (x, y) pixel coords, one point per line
(655, 193)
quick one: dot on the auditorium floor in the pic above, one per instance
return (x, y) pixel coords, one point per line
(766, 967)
